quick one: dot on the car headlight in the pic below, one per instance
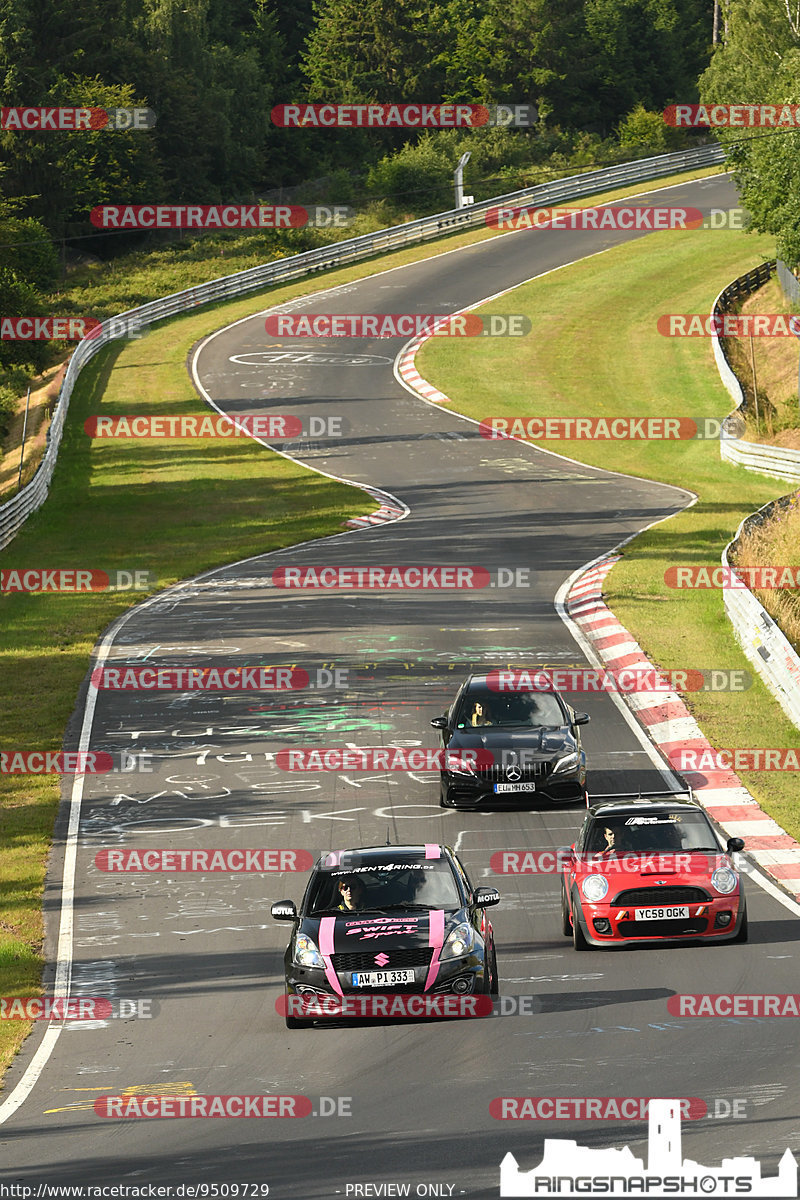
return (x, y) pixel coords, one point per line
(457, 764)
(568, 763)
(306, 953)
(461, 941)
(594, 887)
(724, 880)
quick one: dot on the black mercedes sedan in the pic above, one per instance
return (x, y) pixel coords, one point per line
(532, 736)
(399, 925)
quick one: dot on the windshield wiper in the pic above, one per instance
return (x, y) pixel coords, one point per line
(414, 907)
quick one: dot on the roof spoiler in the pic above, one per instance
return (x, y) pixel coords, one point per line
(647, 795)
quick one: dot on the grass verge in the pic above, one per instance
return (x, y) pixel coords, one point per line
(597, 353)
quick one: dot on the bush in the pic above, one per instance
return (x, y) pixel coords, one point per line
(418, 177)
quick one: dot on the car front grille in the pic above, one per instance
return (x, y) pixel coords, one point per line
(657, 897)
(416, 957)
(676, 929)
(497, 773)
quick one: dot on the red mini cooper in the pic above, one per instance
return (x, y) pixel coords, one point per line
(651, 870)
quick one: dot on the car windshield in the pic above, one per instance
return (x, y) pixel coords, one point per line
(480, 706)
(661, 832)
(393, 884)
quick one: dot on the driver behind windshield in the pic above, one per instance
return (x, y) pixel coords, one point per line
(351, 889)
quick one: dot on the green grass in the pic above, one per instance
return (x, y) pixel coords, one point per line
(172, 508)
(595, 351)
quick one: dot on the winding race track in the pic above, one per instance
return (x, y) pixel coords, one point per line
(407, 1104)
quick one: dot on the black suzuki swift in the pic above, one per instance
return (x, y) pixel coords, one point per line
(387, 920)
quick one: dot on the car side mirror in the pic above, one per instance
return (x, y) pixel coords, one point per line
(735, 844)
(565, 856)
(283, 910)
(581, 719)
(439, 723)
(485, 897)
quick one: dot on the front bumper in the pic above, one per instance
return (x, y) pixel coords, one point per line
(473, 791)
(455, 992)
(718, 919)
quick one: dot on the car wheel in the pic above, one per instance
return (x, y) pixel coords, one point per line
(579, 941)
(494, 978)
(442, 801)
(566, 920)
(742, 934)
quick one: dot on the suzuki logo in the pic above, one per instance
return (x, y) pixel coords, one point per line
(513, 773)
(381, 959)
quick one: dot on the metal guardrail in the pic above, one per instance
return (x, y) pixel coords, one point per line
(761, 639)
(789, 283)
(15, 512)
(778, 462)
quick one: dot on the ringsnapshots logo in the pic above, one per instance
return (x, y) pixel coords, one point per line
(400, 578)
(221, 216)
(269, 427)
(76, 120)
(72, 580)
(403, 116)
(397, 325)
(568, 1169)
(611, 429)
(732, 116)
